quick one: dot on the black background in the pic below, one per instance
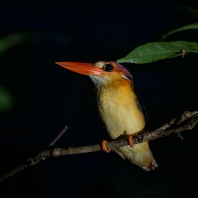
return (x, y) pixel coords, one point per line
(48, 97)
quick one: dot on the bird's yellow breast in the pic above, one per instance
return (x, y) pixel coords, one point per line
(118, 108)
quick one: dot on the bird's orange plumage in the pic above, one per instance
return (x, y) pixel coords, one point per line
(118, 108)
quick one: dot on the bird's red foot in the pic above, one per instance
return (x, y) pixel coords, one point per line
(130, 140)
(104, 148)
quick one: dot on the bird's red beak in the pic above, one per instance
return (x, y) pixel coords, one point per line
(81, 68)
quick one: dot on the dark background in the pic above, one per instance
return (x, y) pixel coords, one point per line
(46, 97)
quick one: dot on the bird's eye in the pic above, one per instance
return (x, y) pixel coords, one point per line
(108, 67)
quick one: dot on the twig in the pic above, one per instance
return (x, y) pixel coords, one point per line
(59, 136)
(185, 121)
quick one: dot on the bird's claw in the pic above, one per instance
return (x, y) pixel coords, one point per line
(130, 140)
(104, 148)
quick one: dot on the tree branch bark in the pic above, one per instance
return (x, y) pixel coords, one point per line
(184, 122)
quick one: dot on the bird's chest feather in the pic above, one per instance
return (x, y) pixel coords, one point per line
(118, 108)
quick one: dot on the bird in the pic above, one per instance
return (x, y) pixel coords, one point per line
(118, 107)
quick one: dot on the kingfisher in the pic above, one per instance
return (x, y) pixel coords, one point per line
(118, 107)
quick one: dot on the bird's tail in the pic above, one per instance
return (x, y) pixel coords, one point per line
(140, 155)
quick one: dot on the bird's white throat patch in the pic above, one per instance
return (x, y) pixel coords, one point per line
(98, 80)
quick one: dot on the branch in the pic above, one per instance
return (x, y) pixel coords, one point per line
(184, 122)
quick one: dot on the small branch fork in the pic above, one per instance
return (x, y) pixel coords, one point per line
(184, 122)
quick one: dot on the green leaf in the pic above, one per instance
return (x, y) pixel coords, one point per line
(190, 12)
(12, 40)
(155, 51)
(191, 26)
(6, 100)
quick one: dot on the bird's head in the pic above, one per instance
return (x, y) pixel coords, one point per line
(101, 72)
